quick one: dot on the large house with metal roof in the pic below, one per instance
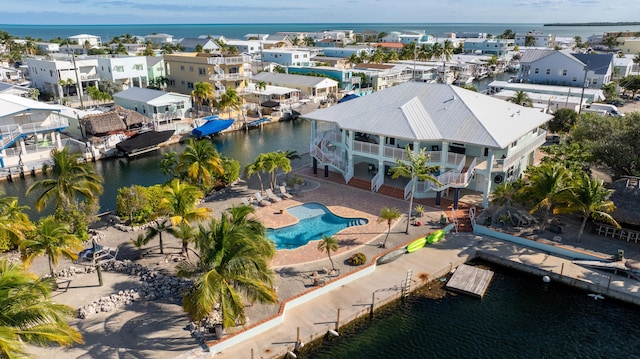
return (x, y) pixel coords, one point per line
(563, 68)
(157, 105)
(476, 140)
(29, 130)
(313, 87)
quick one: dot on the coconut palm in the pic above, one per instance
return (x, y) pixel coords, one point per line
(71, 178)
(52, 238)
(233, 265)
(329, 244)
(28, 314)
(202, 93)
(508, 192)
(200, 162)
(415, 168)
(180, 200)
(275, 161)
(229, 101)
(255, 168)
(547, 181)
(160, 226)
(185, 232)
(589, 198)
(261, 86)
(168, 163)
(14, 223)
(388, 214)
(521, 98)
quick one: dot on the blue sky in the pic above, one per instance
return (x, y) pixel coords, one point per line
(67, 12)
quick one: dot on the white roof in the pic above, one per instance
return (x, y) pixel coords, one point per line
(418, 111)
(550, 89)
(298, 80)
(272, 90)
(11, 104)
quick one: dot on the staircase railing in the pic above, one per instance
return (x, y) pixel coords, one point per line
(377, 181)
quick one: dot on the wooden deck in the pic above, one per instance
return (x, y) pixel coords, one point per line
(470, 280)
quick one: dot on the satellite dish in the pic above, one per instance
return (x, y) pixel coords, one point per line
(498, 179)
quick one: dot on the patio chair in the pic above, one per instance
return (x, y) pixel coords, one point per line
(245, 201)
(284, 193)
(261, 201)
(271, 196)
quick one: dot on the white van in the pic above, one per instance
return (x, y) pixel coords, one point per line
(610, 110)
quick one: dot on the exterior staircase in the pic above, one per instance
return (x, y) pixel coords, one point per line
(360, 183)
(389, 191)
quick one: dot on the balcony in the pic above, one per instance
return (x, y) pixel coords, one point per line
(235, 60)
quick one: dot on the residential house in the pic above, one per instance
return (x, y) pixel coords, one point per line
(574, 94)
(29, 130)
(48, 75)
(271, 100)
(541, 39)
(48, 47)
(346, 81)
(406, 37)
(192, 44)
(287, 57)
(158, 105)
(381, 76)
(623, 66)
(389, 46)
(630, 45)
(134, 48)
(86, 39)
(12, 89)
(340, 62)
(366, 36)
(312, 87)
(159, 39)
(155, 69)
(12, 75)
(562, 68)
(129, 71)
(343, 36)
(498, 47)
(348, 51)
(251, 47)
(184, 70)
(476, 141)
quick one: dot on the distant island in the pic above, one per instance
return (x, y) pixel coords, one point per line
(626, 23)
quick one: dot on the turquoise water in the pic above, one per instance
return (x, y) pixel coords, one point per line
(315, 222)
(237, 31)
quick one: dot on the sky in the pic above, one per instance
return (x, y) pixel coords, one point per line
(81, 12)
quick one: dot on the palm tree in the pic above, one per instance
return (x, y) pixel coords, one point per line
(258, 165)
(547, 181)
(168, 163)
(506, 193)
(53, 239)
(14, 223)
(234, 255)
(160, 227)
(139, 242)
(184, 232)
(274, 161)
(71, 178)
(28, 314)
(180, 200)
(636, 60)
(261, 86)
(415, 168)
(329, 244)
(202, 93)
(563, 120)
(521, 98)
(201, 163)
(388, 214)
(230, 101)
(589, 198)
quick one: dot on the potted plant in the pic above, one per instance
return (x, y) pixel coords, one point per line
(419, 210)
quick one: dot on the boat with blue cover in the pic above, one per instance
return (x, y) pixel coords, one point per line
(211, 127)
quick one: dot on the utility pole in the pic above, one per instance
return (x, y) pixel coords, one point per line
(75, 70)
(584, 84)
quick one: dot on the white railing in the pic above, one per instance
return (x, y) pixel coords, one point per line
(366, 147)
(434, 156)
(526, 149)
(407, 189)
(349, 174)
(377, 181)
(326, 156)
(461, 165)
(395, 153)
(455, 158)
(9, 133)
(234, 60)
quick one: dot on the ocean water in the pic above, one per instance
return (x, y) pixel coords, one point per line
(238, 31)
(519, 317)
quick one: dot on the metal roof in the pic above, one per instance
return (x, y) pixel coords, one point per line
(289, 79)
(417, 111)
(11, 104)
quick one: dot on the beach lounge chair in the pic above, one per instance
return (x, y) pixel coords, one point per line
(284, 193)
(246, 201)
(261, 200)
(97, 253)
(271, 196)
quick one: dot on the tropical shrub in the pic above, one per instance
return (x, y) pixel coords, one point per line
(357, 259)
(231, 170)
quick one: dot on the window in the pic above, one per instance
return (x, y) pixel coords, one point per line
(172, 82)
(536, 71)
(118, 69)
(574, 79)
(182, 83)
(594, 81)
(181, 67)
(514, 144)
(390, 141)
(548, 71)
(296, 56)
(564, 72)
(190, 68)
(202, 71)
(190, 85)
(180, 105)
(137, 67)
(51, 73)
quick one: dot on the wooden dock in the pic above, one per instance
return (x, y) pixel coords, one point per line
(470, 280)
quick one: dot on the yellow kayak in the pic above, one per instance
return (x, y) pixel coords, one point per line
(436, 236)
(417, 244)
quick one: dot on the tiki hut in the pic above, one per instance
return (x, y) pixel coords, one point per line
(626, 197)
(131, 118)
(103, 124)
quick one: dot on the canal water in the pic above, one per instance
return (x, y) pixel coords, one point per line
(519, 317)
(144, 170)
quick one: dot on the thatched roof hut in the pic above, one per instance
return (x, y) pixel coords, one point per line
(131, 118)
(103, 123)
(626, 197)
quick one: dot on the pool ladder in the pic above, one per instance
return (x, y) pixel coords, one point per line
(356, 222)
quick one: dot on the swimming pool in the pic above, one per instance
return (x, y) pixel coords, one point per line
(315, 222)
